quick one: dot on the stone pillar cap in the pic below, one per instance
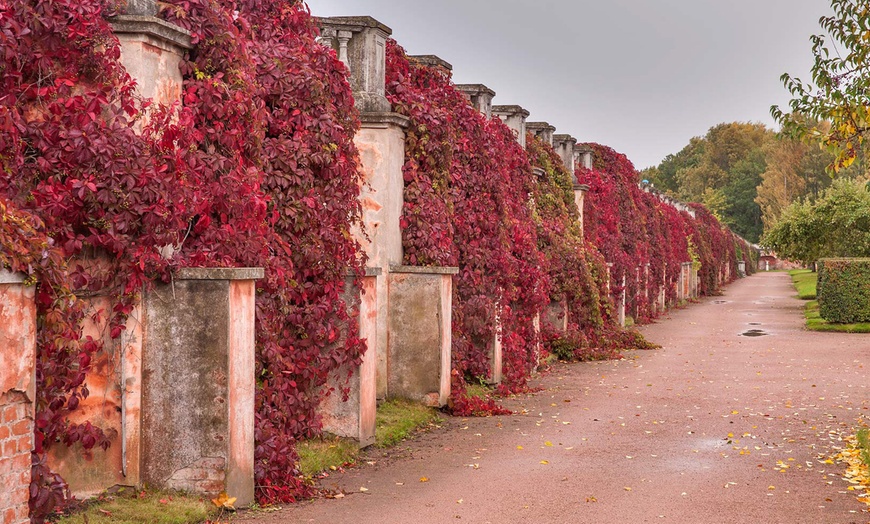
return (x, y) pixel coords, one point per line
(581, 187)
(352, 23)
(511, 110)
(540, 126)
(564, 138)
(475, 89)
(220, 273)
(425, 270)
(432, 61)
(8, 277)
(139, 7)
(152, 26)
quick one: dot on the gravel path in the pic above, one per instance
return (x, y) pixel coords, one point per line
(716, 427)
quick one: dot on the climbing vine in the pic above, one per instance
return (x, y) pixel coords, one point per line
(577, 270)
(257, 169)
(467, 183)
(647, 240)
(104, 194)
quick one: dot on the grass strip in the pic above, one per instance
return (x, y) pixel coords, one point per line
(131, 506)
(325, 453)
(398, 419)
(805, 282)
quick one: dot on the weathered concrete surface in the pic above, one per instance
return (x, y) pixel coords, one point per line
(564, 145)
(113, 404)
(381, 144)
(361, 43)
(480, 97)
(198, 383)
(515, 118)
(151, 51)
(556, 315)
(420, 334)
(654, 438)
(355, 416)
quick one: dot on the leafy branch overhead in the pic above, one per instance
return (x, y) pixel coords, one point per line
(839, 93)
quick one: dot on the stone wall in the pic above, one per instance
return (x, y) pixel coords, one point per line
(17, 393)
(198, 383)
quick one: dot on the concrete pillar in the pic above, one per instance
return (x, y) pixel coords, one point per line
(564, 145)
(381, 144)
(151, 50)
(583, 156)
(541, 130)
(354, 417)
(420, 333)
(515, 118)
(620, 307)
(17, 394)
(198, 383)
(580, 191)
(663, 296)
(497, 355)
(361, 43)
(114, 405)
(480, 97)
(557, 315)
(442, 66)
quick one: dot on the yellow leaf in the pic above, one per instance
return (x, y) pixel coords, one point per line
(519, 447)
(627, 488)
(224, 501)
(545, 462)
(548, 444)
(424, 479)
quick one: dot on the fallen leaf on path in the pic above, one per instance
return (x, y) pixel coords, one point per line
(424, 479)
(223, 501)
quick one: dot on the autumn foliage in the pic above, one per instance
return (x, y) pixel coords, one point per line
(240, 176)
(103, 193)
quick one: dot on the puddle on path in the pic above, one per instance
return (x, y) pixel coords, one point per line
(754, 333)
(755, 323)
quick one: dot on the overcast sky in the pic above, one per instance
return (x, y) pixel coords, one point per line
(641, 76)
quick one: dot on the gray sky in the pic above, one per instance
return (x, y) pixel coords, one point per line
(641, 76)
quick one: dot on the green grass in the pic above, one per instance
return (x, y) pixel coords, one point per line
(326, 453)
(398, 419)
(481, 391)
(863, 438)
(805, 283)
(816, 323)
(129, 507)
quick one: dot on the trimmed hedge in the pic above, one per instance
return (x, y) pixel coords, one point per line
(844, 290)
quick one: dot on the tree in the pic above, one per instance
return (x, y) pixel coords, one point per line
(836, 225)
(720, 170)
(838, 93)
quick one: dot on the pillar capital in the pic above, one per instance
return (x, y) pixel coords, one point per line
(361, 44)
(514, 117)
(480, 97)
